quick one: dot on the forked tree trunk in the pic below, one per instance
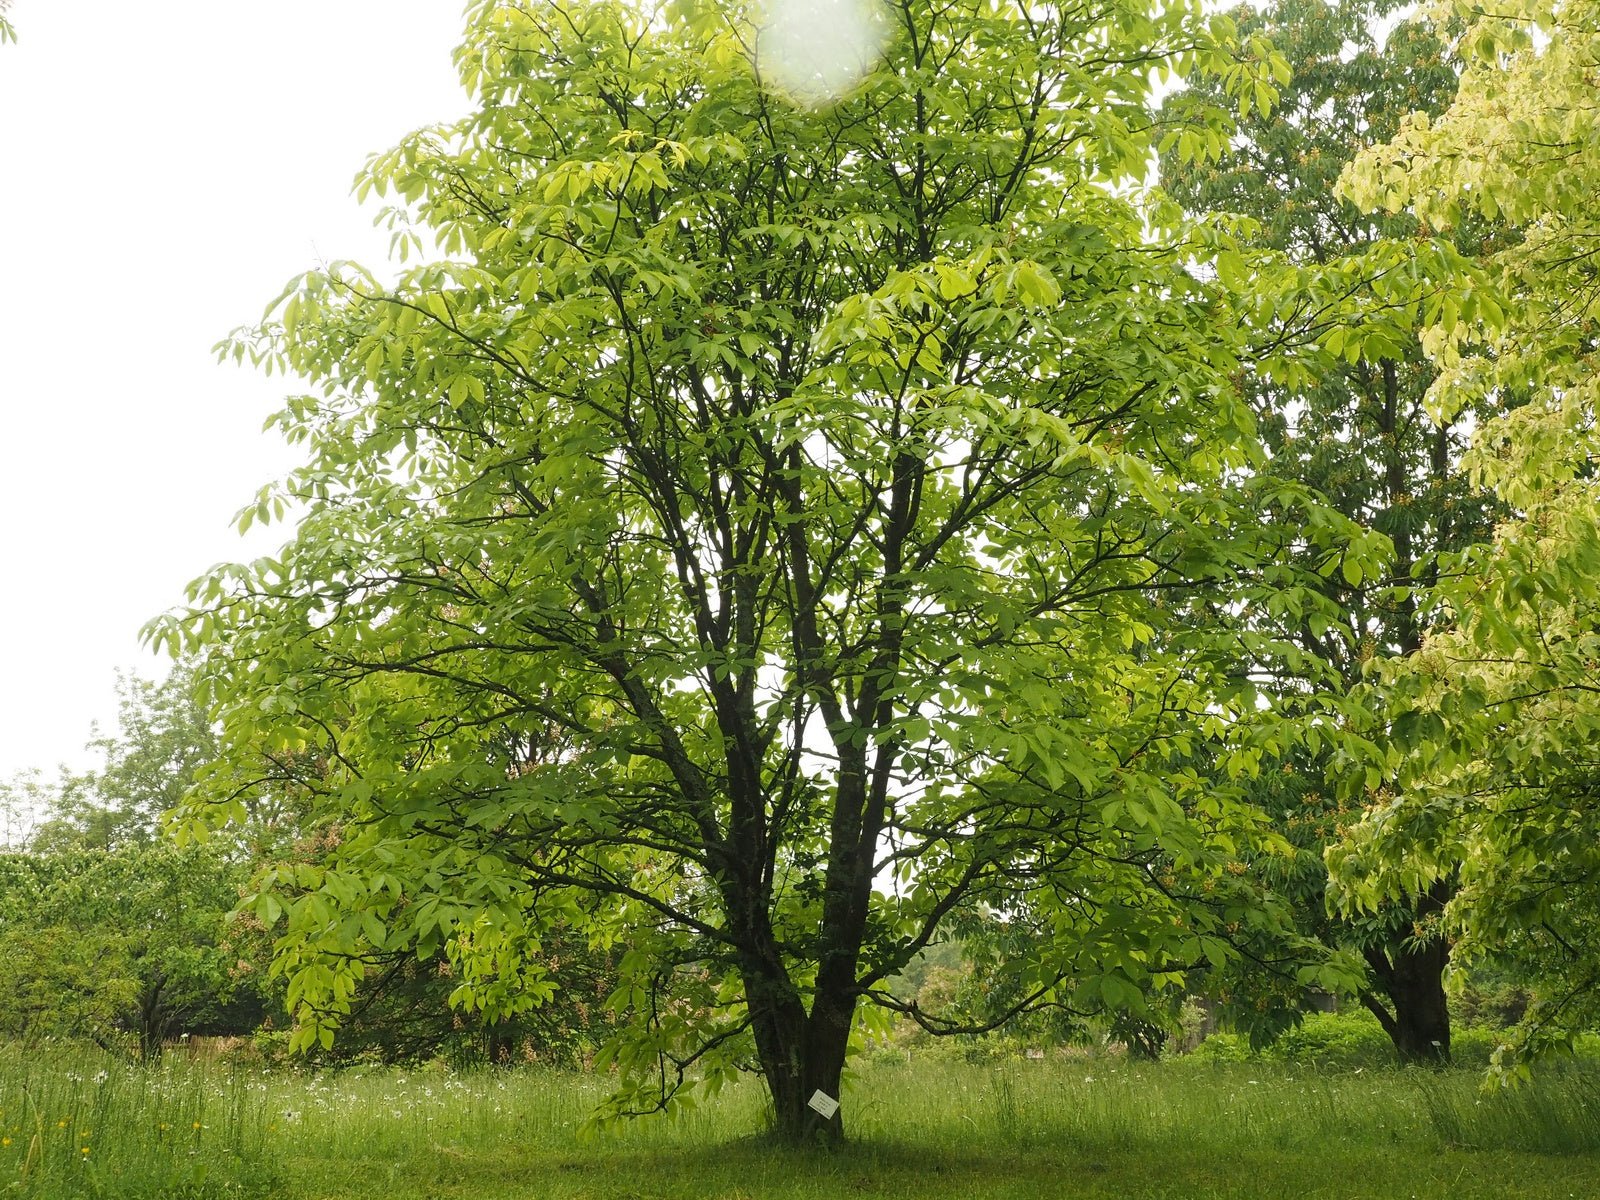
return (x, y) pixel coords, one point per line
(1411, 979)
(802, 1054)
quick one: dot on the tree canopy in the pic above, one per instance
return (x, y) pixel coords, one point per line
(1356, 427)
(1496, 716)
(759, 528)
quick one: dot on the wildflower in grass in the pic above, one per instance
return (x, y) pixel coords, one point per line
(5, 1141)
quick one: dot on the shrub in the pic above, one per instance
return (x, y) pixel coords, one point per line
(1349, 1040)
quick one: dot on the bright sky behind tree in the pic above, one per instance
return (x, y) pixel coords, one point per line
(165, 167)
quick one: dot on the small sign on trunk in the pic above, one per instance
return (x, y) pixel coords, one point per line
(823, 1103)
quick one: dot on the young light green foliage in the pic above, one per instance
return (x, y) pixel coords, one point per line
(765, 530)
(1498, 717)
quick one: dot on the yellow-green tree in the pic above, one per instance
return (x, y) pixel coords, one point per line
(773, 526)
(1499, 715)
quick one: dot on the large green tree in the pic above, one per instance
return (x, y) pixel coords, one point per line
(766, 530)
(1496, 716)
(1356, 427)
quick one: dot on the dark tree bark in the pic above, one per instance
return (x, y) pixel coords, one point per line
(155, 1020)
(1413, 1008)
(802, 1054)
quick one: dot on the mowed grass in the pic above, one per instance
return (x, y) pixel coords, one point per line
(76, 1125)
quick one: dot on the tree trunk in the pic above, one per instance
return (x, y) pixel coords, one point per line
(1417, 1018)
(1411, 979)
(154, 1020)
(793, 1079)
(801, 1054)
(1144, 1039)
(500, 1043)
(1422, 1014)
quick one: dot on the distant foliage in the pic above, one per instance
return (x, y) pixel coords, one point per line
(1345, 1041)
(122, 947)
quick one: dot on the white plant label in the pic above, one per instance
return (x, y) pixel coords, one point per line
(823, 1103)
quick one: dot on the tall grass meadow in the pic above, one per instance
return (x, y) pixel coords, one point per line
(77, 1123)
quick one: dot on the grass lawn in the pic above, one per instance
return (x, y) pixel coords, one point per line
(78, 1126)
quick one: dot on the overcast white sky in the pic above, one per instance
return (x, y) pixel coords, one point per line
(165, 166)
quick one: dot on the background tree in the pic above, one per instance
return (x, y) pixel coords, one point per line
(132, 940)
(129, 934)
(1497, 715)
(402, 1013)
(762, 535)
(24, 799)
(172, 961)
(1359, 432)
(61, 980)
(163, 738)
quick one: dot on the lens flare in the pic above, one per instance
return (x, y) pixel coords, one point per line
(815, 51)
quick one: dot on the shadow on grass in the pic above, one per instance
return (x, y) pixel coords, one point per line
(756, 1169)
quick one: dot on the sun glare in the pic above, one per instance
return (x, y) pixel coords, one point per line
(816, 51)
